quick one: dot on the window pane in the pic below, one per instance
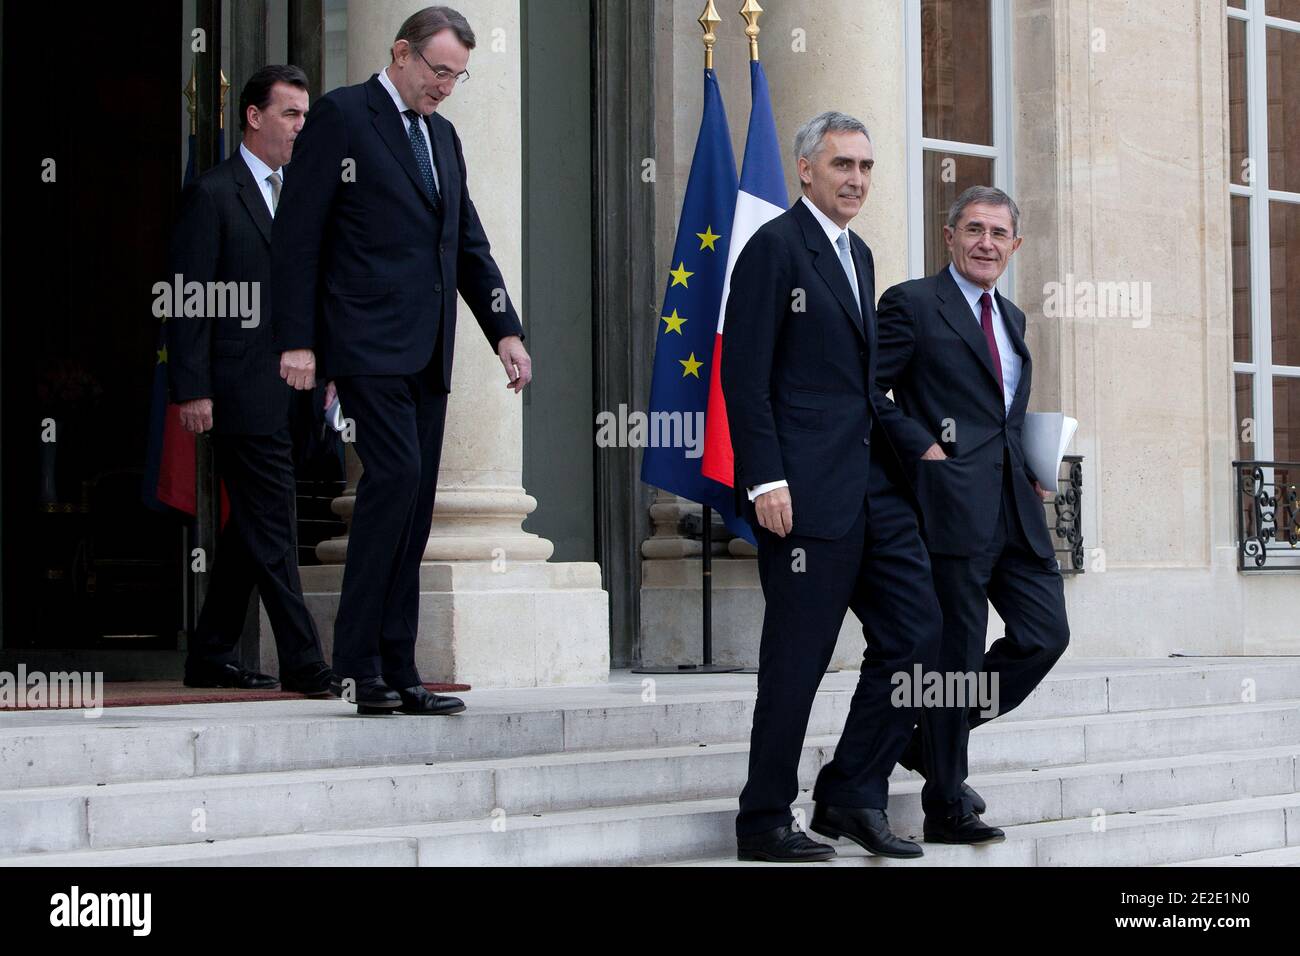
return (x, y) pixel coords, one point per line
(1283, 109)
(1239, 4)
(956, 71)
(1286, 9)
(1237, 144)
(1241, 343)
(1284, 246)
(1245, 417)
(1286, 419)
(946, 176)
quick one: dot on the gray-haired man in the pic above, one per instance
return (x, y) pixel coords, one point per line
(953, 350)
(835, 521)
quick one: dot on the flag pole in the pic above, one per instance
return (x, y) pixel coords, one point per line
(708, 21)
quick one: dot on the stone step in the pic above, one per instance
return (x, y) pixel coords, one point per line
(1251, 827)
(230, 807)
(46, 749)
(1282, 856)
(700, 833)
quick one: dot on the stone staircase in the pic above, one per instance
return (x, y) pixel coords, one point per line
(1114, 762)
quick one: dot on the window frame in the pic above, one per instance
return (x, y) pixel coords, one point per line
(1259, 197)
(1000, 152)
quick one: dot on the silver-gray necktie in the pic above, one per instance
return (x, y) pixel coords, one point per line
(846, 260)
(276, 183)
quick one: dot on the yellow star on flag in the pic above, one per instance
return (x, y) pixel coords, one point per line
(674, 322)
(162, 355)
(707, 238)
(680, 275)
(692, 367)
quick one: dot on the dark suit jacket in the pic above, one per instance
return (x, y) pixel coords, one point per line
(935, 358)
(798, 367)
(224, 235)
(367, 269)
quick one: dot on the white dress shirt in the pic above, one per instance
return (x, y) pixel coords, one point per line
(260, 173)
(406, 126)
(1011, 361)
(833, 233)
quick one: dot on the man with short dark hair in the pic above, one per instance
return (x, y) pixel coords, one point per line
(953, 350)
(376, 237)
(224, 374)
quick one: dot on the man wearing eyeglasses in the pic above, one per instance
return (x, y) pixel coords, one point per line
(375, 237)
(953, 350)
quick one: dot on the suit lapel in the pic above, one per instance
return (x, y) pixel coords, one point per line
(391, 127)
(250, 194)
(1012, 318)
(956, 311)
(827, 263)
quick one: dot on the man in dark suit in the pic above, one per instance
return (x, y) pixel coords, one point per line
(376, 236)
(835, 523)
(952, 348)
(224, 373)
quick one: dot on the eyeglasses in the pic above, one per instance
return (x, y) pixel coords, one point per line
(442, 76)
(976, 233)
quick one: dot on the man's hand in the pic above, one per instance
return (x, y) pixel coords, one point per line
(515, 360)
(196, 415)
(330, 394)
(934, 453)
(775, 512)
(298, 368)
(1042, 492)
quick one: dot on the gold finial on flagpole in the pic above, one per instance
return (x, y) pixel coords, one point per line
(191, 92)
(709, 20)
(751, 12)
(221, 110)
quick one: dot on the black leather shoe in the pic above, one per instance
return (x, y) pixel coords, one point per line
(371, 695)
(967, 828)
(418, 700)
(314, 680)
(865, 826)
(782, 845)
(206, 674)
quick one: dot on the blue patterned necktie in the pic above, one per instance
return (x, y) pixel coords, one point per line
(421, 149)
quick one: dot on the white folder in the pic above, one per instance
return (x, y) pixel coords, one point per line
(1046, 437)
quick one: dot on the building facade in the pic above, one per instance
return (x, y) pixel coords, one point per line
(1152, 148)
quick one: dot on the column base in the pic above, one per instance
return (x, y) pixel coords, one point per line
(524, 624)
(672, 615)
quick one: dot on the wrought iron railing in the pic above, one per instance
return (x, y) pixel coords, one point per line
(1065, 515)
(1268, 515)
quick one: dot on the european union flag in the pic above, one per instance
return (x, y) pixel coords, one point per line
(684, 343)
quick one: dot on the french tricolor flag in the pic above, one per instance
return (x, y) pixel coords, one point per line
(762, 197)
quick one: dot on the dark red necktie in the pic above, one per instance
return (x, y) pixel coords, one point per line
(986, 323)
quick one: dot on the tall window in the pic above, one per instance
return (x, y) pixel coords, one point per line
(1264, 159)
(957, 73)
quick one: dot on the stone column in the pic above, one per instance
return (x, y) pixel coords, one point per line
(493, 611)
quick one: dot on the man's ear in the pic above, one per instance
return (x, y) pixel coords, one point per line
(253, 118)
